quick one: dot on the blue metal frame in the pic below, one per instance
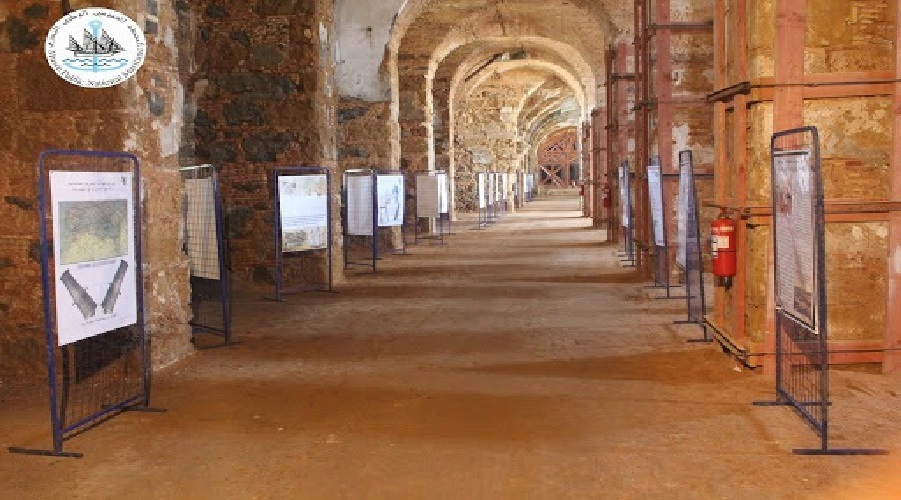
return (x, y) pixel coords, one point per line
(59, 431)
(224, 281)
(280, 290)
(695, 305)
(788, 396)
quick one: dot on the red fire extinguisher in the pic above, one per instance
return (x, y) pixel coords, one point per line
(605, 196)
(722, 246)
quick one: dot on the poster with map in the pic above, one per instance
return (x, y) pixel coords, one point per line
(94, 254)
(303, 212)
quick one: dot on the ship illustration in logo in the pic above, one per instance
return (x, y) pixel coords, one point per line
(96, 52)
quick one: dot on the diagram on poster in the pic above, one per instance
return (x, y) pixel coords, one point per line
(428, 195)
(359, 205)
(391, 200)
(483, 201)
(655, 191)
(94, 258)
(303, 212)
(201, 238)
(795, 227)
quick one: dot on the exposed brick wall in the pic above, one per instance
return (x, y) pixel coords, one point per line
(265, 96)
(41, 111)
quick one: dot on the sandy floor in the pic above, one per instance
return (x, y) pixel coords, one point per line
(516, 362)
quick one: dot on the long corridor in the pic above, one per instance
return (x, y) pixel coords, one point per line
(516, 362)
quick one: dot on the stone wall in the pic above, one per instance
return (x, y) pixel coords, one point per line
(264, 92)
(41, 111)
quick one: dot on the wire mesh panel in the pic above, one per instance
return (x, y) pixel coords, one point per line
(689, 252)
(205, 245)
(91, 267)
(303, 230)
(802, 357)
(360, 216)
(625, 184)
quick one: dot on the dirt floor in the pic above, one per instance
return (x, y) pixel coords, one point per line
(517, 362)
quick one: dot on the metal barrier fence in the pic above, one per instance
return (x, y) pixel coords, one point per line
(303, 230)
(625, 184)
(802, 355)
(205, 246)
(690, 254)
(93, 304)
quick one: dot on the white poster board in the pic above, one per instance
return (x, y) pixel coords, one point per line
(625, 195)
(359, 205)
(443, 193)
(506, 186)
(428, 195)
(482, 186)
(655, 192)
(492, 188)
(303, 212)
(686, 189)
(94, 254)
(390, 194)
(201, 238)
(795, 226)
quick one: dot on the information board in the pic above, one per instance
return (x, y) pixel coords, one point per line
(428, 195)
(795, 234)
(655, 195)
(359, 205)
(390, 199)
(94, 254)
(686, 199)
(303, 212)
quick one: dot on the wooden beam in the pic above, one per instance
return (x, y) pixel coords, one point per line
(892, 363)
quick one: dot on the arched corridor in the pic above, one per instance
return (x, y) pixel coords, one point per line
(518, 362)
(523, 358)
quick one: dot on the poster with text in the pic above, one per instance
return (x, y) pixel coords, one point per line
(624, 193)
(390, 200)
(492, 188)
(428, 196)
(655, 192)
(303, 212)
(686, 190)
(201, 238)
(443, 194)
(795, 235)
(505, 186)
(359, 205)
(94, 254)
(483, 201)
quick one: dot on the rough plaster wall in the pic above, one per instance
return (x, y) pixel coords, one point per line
(363, 28)
(265, 95)
(850, 36)
(42, 111)
(761, 39)
(856, 280)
